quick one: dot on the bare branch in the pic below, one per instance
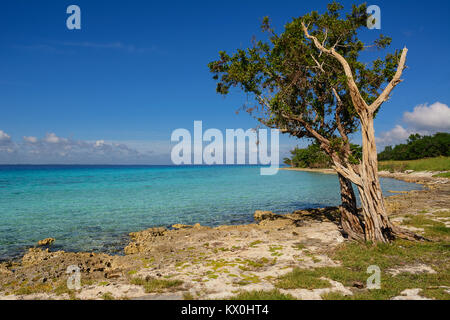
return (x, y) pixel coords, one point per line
(347, 173)
(384, 96)
(358, 101)
(308, 128)
(320, 66)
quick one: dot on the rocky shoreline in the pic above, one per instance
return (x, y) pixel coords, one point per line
(199, 262)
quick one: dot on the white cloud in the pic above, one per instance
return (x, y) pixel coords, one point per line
(393, 136)
(430, 118)
(52, 138)
(52, 149)
(424, 119)
(99, 143)
(4, 137)
(30, 139)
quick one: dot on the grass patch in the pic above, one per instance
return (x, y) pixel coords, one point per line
(442, 214)
(188, 296)
(247, 279)
(156, 285)
(36, 288)
(356, 257)
(262, 295)
(302, 278)
(254, 243)
(275, 250)
(299, 246)
(433, 229)
(108, 296)
(427, 164)
(442, 175)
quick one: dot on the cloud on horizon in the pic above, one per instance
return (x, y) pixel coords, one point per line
(424, 119)
(53, 149)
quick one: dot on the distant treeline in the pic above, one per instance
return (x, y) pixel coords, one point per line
(314, 157)
(418, 147)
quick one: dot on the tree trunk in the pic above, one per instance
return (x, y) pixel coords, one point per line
(351, 222)
(378, 227)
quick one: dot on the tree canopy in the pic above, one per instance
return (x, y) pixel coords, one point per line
(418, 147)
(303, 92)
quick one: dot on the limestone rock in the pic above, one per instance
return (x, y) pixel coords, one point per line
(181, 226)
(46, 242)
(261, 215)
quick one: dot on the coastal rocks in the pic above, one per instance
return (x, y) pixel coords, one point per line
(46, 242)
(414, 269)
(37, 255)
(410, 294)
(181, 226)
(4, 270)
(139, 239)
(261, 215)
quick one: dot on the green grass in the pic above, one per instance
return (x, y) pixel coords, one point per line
(433, 229)
(156, 285)
(188, 296)
(108, 296)
(443, 175)
(262, 295)
(356, 257)
(428, 164)
(302, 278)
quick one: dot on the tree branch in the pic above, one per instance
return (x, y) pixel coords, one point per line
(384, 96)
(338, 117)
(305, 124)
(357, 99)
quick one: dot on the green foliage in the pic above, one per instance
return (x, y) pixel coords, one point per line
(289, 84)
(314, 157)
(418, 147)
(311, 157)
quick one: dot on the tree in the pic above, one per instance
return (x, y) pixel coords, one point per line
(418, 147)
(309, 82)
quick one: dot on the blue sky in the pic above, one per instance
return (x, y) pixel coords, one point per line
(137, 70)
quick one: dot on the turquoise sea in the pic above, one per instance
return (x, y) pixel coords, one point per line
(95, 207)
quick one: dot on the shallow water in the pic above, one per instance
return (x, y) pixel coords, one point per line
(95, 207)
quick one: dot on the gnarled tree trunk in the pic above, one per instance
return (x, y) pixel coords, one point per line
(378, 227)
(377, 224)
(351, 222)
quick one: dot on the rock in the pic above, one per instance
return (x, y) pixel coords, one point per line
(358, 284)
(4, 270)
(261, 215)
(181, 226)
(141, 240)
(113, 275)
(46, 242)
(409, 171)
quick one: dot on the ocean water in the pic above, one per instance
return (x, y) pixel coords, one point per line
(95, 207)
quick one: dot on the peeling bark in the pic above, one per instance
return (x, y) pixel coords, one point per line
(351, 222)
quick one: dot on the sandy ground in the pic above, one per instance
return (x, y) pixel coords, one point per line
(212, 263)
